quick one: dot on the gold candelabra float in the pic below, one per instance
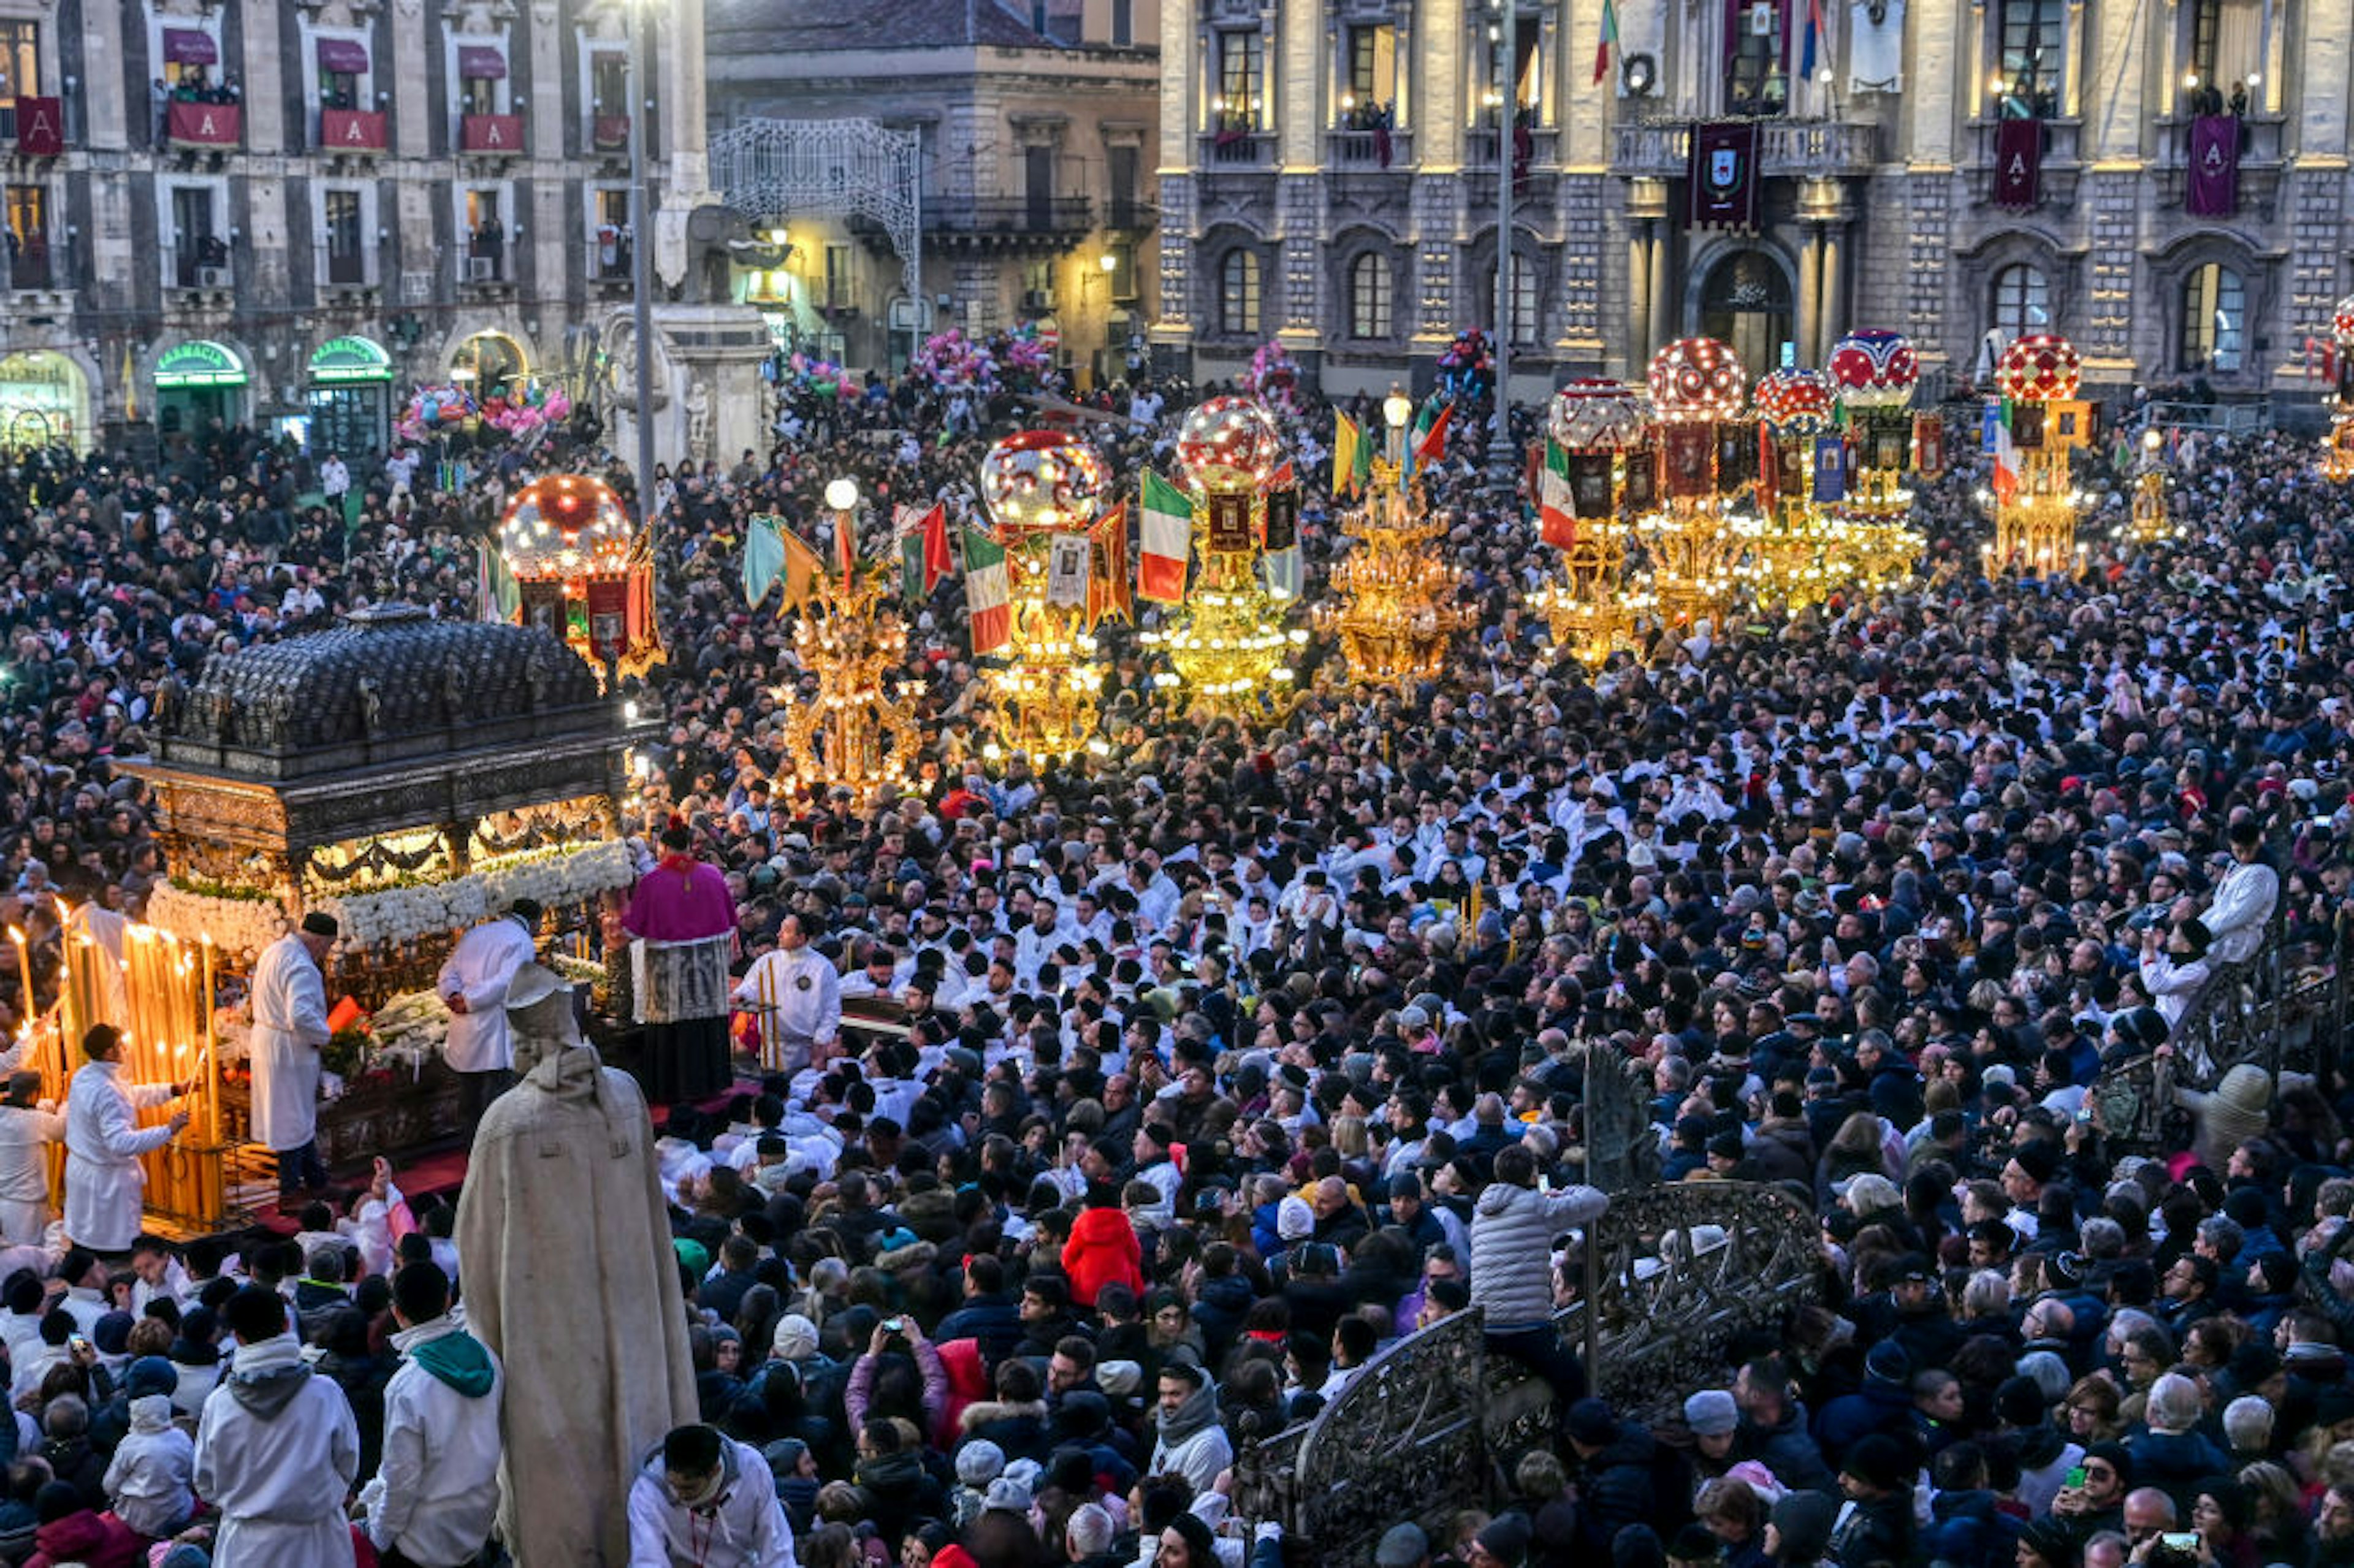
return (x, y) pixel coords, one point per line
(1599, 467)
(2040, 422)
(1694, 546)
(1030, 598)
(858, 731)
(1396, 604)
(2338, 459)
(1791, 562)
(2151, 525)
(1874, 374)
(1230, 649)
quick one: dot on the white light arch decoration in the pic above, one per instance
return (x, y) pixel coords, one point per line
(828, 168)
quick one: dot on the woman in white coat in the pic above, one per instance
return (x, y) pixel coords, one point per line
(105, 1186)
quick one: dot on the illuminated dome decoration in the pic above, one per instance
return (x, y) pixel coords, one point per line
(1697, 381)
(561, 524)
(1229, 443)
(1043, 482)
(1598, 415)
(2341, 320)
(1794, 402)
(1873, 370)
(2039, 368)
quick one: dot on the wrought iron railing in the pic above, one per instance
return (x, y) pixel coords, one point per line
(1682, 1270)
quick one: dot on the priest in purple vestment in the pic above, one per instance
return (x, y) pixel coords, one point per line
(682, 925)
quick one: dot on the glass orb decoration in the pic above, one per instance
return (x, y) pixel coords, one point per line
(1228, 444)
(1697, 381)
(2341, 321)
(561, 523)
(1043, 482)
(1596, 414)
(1873, 370)
(2041, 367)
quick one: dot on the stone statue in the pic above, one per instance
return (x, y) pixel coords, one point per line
(698, 418)
(454, 693)
(171, 697)
(589, 1317)
(371, 707)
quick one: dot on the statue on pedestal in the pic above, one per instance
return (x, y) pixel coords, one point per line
(569, 1277)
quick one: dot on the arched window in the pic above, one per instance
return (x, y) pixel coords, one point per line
(2022, 301)
(2214, 320)
(1238, 293)
(1369, 296)
(1523, 324)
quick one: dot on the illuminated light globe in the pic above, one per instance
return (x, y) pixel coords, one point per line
(2341, 321)
(2041, 367)
(1229, 444)
(1594, 414)
(1873, 370)
(1697, 381)
(1794, 402)
(1043, 482)
(561, 524)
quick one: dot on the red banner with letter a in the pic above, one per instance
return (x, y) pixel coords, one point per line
(2018, 163)
(40, 127)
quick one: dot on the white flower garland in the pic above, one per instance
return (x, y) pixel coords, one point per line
(244, 926)
(240, 927)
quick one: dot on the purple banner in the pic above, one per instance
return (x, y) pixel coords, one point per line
(2018, 163)
(1721, 187)
(348, 56)
(187, 45)
(479, 62)
(2213, 188)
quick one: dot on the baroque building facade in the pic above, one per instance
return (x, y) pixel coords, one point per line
(266, 211)
(2165, 182)
(1036, 199)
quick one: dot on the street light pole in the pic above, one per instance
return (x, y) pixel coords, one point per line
(640, 259)
(1499, 446)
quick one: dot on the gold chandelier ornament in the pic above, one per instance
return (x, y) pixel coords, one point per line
(2151, 523)
(1693, 548)
(1794, 556)
(1043, 490)
(857, 731)
(1599, 465)
(1229, 648)
(2040, 423)
(1397, 601)
(1874, 374)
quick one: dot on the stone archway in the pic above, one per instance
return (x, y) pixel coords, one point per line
(1744, 297)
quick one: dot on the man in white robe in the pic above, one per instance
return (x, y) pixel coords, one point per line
(474, 986)
(28, 1127)
(277, 1448)
(290, 1026)
(796, 993)
(105, 1184)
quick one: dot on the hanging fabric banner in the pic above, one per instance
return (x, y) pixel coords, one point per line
(2211, 189)
(2018, 163)
(1928, 445)
(1722, 187)
(1831, 468)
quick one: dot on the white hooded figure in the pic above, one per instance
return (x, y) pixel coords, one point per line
(153, 1465)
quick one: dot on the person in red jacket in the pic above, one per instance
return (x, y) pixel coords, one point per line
(1103, 1249)
(71, 1532)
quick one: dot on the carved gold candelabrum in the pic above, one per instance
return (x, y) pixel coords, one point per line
(1587, 608)
(1231, 650)
(2035, 526)
(1396, 599)
(1048, 692)
(2338, 458)
(858, 730)
(1696, 548)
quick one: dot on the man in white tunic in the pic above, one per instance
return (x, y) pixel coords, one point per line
(797, 994)
(275, 1448)
(2243, 900)
(105, 1184)
(290, 1026)
(474, 986)
(28, 1127)
(704, 1500)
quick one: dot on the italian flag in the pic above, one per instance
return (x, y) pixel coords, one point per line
(1429, 438)
(2006, 456)
(1166, 548)
(985, 598)
(1556, 518)
(1608, 38)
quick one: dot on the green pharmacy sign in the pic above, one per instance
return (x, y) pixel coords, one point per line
(345, 360)
(199, 364)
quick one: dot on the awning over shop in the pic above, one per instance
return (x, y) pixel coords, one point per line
(345, 56)
(187, 45)
(480, 62)
(200, 363)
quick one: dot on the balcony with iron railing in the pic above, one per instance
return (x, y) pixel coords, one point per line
(2260, 166)
(1787, 149)
(33, 263)
(2059, 171)
(1533, 147)
(1235, 150)
(1359, 150)
(483, 265)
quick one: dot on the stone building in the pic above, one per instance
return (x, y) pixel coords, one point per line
(1949, 168)
(1040, 153)
(261, 210)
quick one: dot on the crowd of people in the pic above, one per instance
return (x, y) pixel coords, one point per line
(1235, 1055)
